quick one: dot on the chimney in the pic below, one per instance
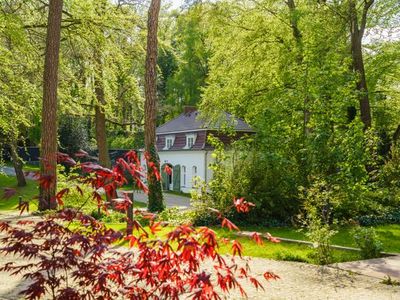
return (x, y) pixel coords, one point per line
(189, 109)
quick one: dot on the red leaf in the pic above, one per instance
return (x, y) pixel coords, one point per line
(256, 283)
(168, 170)
(60, 195)
(78, 188)
(81, 153)
(154, 227)
(242, 206)
(65, 158)
(24, 205)
(228, 224)
(8, 193)
(271, 238)
(237, 248)
(46, 181)
(257, 238)
(132, 156)
(271, 276)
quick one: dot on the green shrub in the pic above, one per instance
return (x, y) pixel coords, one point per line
(367, 240)
(318, 219)
(201, 202)
(73, 133)
(111, 217)
(74, 199)
(389, 216)
(174, 216)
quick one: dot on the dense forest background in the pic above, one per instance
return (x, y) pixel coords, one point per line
(318, 80)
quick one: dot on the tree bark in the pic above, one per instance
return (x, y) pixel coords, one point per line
(17, 163)
(100, 125)
(357, 33)
(48, 165)
(300, 58)
(156, 202)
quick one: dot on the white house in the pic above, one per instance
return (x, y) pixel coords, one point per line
(182, 144)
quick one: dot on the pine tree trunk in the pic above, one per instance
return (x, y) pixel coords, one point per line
(17, 163)
(156, 202)
(48, 149)
(100, 125)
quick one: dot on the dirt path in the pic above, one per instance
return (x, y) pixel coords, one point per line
(298, 281)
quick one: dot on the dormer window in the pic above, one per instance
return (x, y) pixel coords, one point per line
(169, 142)
(190, 140)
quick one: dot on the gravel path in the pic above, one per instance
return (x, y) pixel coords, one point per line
(298, 281)
(171, 200)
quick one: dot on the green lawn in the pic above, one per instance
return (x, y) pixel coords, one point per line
(27, 192)
(280, 251)
(388, 234)
(27, 167)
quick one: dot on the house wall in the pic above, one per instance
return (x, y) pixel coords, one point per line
(188, 159)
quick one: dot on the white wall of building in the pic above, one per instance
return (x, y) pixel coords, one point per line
(188, 159)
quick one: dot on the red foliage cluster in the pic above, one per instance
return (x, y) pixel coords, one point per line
(70, 256)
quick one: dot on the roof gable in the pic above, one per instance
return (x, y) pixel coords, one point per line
(191, 121)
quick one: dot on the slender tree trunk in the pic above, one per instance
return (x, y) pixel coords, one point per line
(156, 202)
(17, 162)
(48, 165)
(357, 33)
(101, 132)
(300, 58)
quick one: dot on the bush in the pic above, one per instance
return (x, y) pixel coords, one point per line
(111, 217)
(367, 240)
(175, 217)
(124, 141)
(318, 219)
(73, 134)
(74, 199)
(390, 216)
(201, 202)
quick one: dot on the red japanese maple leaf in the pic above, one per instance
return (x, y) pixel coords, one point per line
(8, 193)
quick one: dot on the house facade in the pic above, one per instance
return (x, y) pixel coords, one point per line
(182, 145)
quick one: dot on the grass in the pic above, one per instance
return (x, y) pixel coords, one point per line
(27, 167)
(187, 195)
(280, 251)
(27, 192)
(388, 234)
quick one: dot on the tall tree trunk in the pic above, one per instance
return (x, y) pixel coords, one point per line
(156, 202)
(100, 126)
(17, 162)
(48, 165)
(357, 32)
(300, 58)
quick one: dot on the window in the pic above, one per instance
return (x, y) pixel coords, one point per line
(183, 176)
(190, 140)
(169, 142)
(194, 174)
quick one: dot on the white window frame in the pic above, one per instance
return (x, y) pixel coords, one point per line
(170, 138)
(183, 173)
(194, 175)
(189, 137)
